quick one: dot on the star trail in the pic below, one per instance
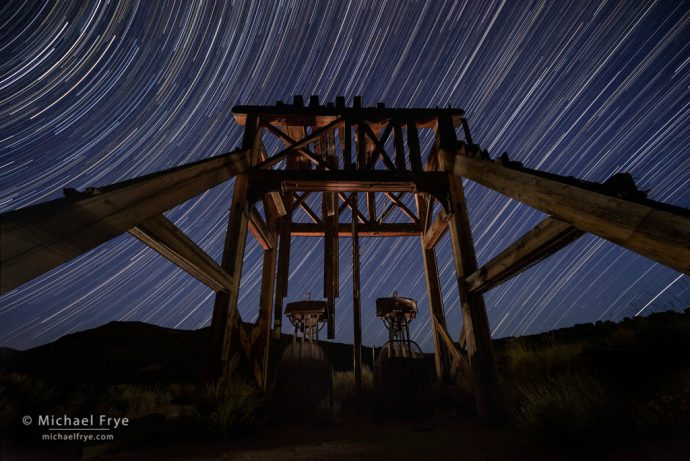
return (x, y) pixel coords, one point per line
(93, 93)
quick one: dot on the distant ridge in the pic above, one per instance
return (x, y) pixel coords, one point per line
(138, 352)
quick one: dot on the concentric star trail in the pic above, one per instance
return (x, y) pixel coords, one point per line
(92, 93)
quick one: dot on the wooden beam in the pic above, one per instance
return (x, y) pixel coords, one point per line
(225, 345)
(548, 237)
(436, 311)
(356, 306)
(303, 151)
(37, 238)
(261, 340)
(282, 275)
(347, 204)
(164, 237)
(259, 229)
(399, 145)
(475, 320)
(296, 115)
(365, 230)
(438, 227)
(654, 230)
(413, 146)
(371, 206)
(399, 203)
(344, 181)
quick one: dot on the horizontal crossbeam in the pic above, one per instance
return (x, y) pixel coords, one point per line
(364, 230)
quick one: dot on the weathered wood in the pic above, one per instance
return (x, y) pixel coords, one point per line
(654, 230)
(346, 204)
(165, 238)
(438, 227)
(303, 151)
(377, 148)
(548, 237)
(260, 344)
(413, 147)
(399, 203)
(259, 229)
(346, 144)
(225, 345)
(37, 238)
(284, 225)
(399, 145)
(436, 311)
(307, 209)
(278, 203)
(371, 206)
(356, 306)
(323, 115)
(345, 181)
(475, 320)
(365, 230)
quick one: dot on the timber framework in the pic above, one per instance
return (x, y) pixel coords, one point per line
(346, 172)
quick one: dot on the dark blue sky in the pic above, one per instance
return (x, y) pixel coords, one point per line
(96, 92)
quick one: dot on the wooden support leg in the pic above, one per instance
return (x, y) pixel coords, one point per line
(283, 272)
(475, 320)
(226, 320)
(356, 306)
(260, 344)
(438, 319)
(226, 340)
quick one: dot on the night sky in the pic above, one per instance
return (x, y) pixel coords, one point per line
(96, 92)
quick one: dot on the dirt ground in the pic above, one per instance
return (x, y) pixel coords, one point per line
(356, 439)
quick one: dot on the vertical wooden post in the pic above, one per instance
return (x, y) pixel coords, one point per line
(284, 224)
(475, 320)
(442, 356)
(356, 303)
(262, 340)
(225, 349)
(413, 146)
(399, 145)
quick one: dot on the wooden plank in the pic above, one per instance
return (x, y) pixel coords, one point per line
(278, 203)
(475, 320)
(548, 237)
(436, 230)
(436, 311)
(365, 230)
(346, 204)
(346, 143)
(399, 145)
(399, 203)
(371, 206)
(343, 181)
(378, 148)
(303, 151)
(261, 340)
(654, 230)
(165, 238)
(413, 147)
(356, 306)
(282, 274)
(259, 229)
(322, 115)
(225, 350)
(37, 238)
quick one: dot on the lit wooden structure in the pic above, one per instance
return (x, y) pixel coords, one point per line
(330, 154)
